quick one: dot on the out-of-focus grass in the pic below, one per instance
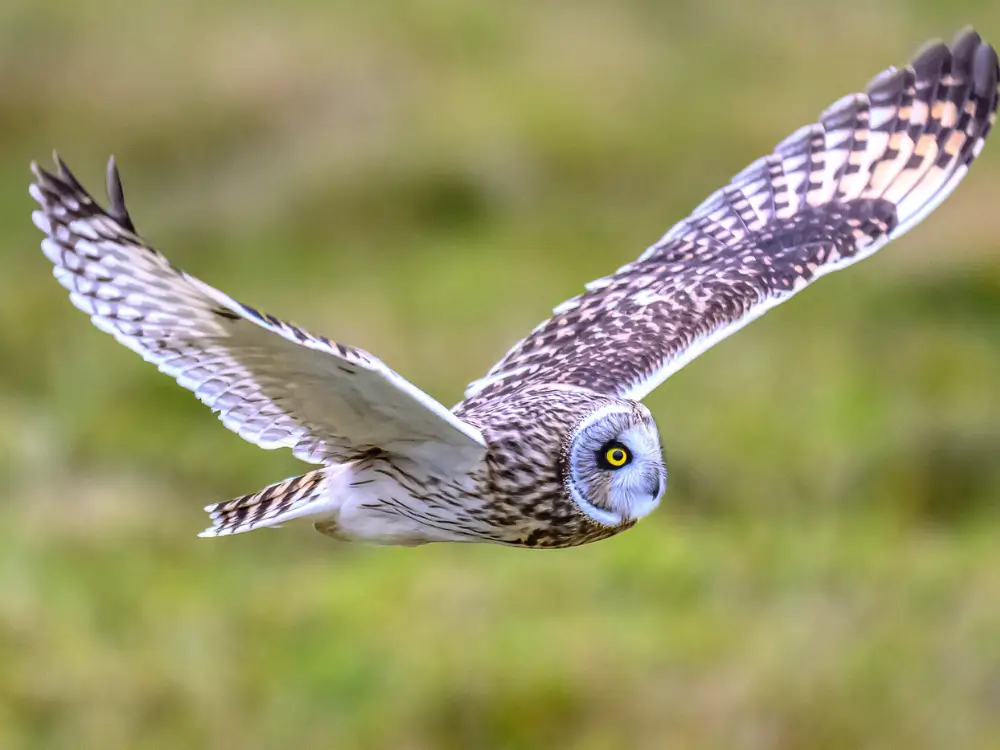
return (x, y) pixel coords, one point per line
(426, 180)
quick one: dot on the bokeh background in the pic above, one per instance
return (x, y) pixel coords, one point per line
(426, 180)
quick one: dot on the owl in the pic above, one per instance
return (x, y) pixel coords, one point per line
(552, 447)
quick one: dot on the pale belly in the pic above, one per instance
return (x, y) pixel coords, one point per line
(381, 506)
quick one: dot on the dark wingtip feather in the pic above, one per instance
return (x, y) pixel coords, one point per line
(965, 42)
(116, 195)
(984, 70)
(964, 48)
(930, 59)
(66, 175)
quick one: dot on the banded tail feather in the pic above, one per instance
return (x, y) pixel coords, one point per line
(271, 506)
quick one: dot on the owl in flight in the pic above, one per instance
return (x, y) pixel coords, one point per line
(552, 447)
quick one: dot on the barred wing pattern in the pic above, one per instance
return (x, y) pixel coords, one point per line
(828, 196)
(269, 381)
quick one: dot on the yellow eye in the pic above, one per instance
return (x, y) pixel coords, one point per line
(616, 456)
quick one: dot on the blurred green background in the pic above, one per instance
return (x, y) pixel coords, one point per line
(426, 180)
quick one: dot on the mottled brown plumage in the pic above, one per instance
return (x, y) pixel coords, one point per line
(830, 194)
(551, 448)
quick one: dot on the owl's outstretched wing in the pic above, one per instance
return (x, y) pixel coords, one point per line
(830, 195)
(271, 382)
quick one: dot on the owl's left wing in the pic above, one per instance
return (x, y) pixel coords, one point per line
(872, 167)
(269, 381)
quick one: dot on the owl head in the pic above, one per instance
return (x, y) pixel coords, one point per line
(614, 468)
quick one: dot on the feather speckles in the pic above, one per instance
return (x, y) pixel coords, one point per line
(518, 461)
(830, 194)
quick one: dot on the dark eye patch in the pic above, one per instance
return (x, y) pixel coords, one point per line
(613, 455)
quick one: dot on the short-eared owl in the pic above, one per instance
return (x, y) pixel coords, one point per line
(552, 447)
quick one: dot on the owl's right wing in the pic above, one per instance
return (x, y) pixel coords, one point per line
(269, 381)
(872, 167)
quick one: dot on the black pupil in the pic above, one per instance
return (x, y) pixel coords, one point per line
(617, 455)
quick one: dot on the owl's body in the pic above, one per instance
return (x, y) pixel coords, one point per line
(512, 492)
(552, 447)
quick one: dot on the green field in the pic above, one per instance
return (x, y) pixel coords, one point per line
(426, 180)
